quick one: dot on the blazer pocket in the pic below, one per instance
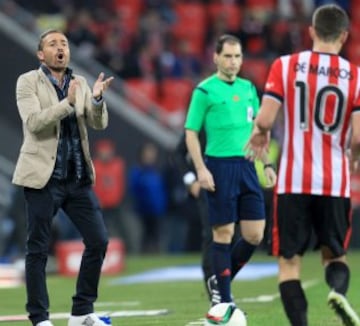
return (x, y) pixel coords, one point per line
(29, 148)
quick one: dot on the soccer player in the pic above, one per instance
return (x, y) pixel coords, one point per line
(319, 93)
(226, 106)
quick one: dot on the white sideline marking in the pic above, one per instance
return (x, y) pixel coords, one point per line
(271, 297)
(120, 303)
(201, 321)
(65, 315)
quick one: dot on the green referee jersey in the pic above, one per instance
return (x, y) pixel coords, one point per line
(227, 111)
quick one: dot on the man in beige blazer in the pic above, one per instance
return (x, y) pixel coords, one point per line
(56, 171)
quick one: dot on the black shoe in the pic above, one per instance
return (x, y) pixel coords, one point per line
(340, 304)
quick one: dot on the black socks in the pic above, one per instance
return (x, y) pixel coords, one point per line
(337, 276)
(241, 253)
(222, 269)
(294, 302)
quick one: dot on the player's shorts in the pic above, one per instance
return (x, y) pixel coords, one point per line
(298, 217)
(238, 195)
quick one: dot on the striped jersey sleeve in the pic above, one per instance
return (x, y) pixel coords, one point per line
(318, 92)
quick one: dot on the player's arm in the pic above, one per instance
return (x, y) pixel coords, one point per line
(267, 114)
(272, 98)
(355, 141)
(269, 170)
(193, 124)
(270, 105)
(259, 141)
(193, 145)
(194, 148)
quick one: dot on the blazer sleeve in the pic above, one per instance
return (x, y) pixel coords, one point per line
(35, 117)
(96, 113)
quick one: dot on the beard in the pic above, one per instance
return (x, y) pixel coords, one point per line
(56, 69)
(55, 65)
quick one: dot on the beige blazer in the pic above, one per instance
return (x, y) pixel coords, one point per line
(41, 112)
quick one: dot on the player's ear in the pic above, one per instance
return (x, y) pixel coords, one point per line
(312, 32)
(40, 55)
(344, 37)
(215, 58)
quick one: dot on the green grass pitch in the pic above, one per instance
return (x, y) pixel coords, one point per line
(185, 300)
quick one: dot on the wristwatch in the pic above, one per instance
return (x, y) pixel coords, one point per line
(269, 165)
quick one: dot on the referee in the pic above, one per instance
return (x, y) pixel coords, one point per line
(226, 105)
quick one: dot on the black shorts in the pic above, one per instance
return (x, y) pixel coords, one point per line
(238, 195)
(297, 216)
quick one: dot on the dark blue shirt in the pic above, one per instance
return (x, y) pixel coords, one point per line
(70, 162)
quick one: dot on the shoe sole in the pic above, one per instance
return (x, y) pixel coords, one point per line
(342, 311)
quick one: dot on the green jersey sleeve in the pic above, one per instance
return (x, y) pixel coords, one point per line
(197, 109)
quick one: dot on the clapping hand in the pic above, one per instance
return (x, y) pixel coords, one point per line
(74, 84)
(101, 85)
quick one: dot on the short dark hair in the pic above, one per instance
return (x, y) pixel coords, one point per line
(329, 21)
(46, 33)
(226, 38)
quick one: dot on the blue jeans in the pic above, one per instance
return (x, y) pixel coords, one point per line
(79, 202)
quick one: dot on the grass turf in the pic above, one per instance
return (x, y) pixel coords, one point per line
(187, 301)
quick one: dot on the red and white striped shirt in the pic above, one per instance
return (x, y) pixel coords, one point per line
(319, 92)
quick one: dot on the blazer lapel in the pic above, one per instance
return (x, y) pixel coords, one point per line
(48, 87)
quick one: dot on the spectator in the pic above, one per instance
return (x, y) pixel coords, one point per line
(81, 34)
(14, 242)
(147, 187)
(109, 184)
(182, 63)
(177, 224)
(111, 55)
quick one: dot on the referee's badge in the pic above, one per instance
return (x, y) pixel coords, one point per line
(250, 114)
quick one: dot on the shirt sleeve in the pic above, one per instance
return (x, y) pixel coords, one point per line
(197, 109)
(274, 86)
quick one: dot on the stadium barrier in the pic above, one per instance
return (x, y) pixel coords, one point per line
(68, 256)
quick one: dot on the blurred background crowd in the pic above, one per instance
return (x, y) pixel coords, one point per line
(163, 47)
(158, 50)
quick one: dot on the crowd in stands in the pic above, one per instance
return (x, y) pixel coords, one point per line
(163, 47)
